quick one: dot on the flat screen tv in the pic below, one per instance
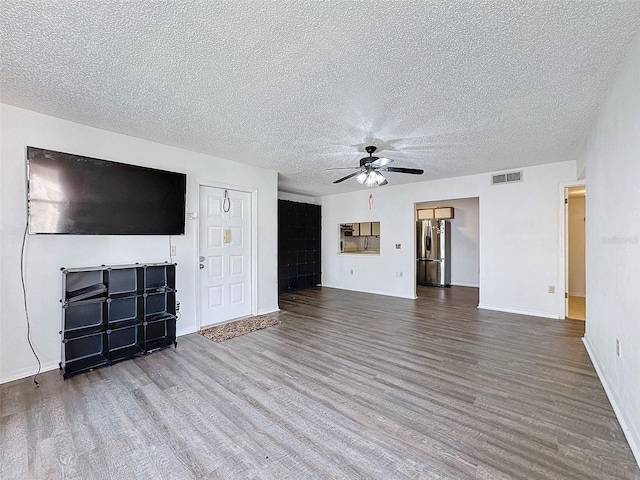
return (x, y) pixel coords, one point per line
(70, 194)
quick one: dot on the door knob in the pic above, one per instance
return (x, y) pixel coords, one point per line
(201, 259)
(201, 266)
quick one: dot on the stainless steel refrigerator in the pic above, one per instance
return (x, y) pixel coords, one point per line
(434, 252)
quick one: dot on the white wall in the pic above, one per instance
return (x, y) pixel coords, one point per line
(612, 160)
(45, 254)
(576, 250)
(520, 241)
(465, 239)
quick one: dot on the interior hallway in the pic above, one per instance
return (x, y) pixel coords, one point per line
(577, 308)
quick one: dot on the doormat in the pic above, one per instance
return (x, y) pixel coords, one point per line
(219, 333)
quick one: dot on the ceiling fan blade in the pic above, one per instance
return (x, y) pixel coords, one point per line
(413, 171)
(347, 177)
(342, 168)
(381, 162)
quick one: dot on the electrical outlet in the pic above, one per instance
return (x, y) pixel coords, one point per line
(552, 289)
(399, 274)
(398, 246)
(177, 306)
(351, 271)
(173, 251)
(618, 348)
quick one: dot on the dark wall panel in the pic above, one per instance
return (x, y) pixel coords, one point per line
(299, 235)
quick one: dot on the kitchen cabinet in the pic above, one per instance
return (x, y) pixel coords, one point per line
(441, 213)
(365, 229)
(425, 214)
(360, 238)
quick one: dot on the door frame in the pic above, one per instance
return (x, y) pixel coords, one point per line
(564, 241)
(415, 207)
(199, 183)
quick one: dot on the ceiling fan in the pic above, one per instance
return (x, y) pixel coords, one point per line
(369, 172)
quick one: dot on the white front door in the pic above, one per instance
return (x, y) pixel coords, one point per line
(225, 255)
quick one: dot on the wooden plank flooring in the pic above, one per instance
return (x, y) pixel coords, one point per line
(349, 385)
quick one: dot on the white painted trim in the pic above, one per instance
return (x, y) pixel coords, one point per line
(415, 250)
(186, 332)
(415, 246)
(479, 248)
(564, 236)
(254, 242)
(30, 371)
(520, 312)
(386, 294)
(254, 251)
(619, 413)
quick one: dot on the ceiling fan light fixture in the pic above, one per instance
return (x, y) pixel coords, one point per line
(380, 180)
(372, 179)
(368, 172)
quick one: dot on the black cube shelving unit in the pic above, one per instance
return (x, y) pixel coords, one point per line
(112, 313)
(299, 245)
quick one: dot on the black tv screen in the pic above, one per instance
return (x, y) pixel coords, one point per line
(70, 194)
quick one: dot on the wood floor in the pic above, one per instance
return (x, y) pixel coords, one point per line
(349, 385)
(577, 308)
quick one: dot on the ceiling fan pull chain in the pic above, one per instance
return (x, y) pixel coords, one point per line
(226, 203)
(370, 201)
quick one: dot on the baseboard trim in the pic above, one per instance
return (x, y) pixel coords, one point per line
(387, 294)
(519, 312)
(628, 433)
(457, 284)
(30, 371)
(186, 332)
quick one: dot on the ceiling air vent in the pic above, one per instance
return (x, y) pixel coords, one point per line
(506, 177)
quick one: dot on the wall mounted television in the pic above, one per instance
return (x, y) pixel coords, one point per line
(75, 195)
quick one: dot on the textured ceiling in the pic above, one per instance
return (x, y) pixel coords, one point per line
(452, 87)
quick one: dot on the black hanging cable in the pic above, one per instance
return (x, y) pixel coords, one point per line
(26, 310)
(226, 203)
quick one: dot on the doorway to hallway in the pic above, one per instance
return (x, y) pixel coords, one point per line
(575, 285)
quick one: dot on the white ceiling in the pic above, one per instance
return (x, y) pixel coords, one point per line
(452, 87)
